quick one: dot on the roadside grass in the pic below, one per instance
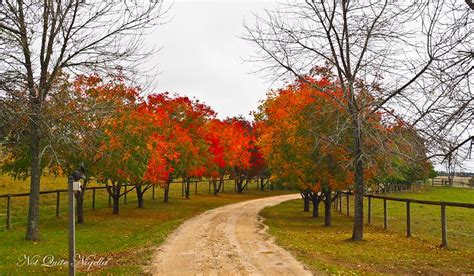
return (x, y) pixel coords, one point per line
(19, 205)
(9, 185)
(383, 251)
(128, 238)
(426, 219)
(19, 210)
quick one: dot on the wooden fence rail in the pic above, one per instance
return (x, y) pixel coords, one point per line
(445, 183)
(408, 201)
(8, 215)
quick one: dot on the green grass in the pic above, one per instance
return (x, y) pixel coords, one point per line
(447, 194)
(19, 209)
(382, 252)
(47, 201)
(129, 238)
(9, 185)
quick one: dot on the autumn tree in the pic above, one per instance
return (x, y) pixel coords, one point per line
(89, 104)
(301, 142)
(41, 39)
(395, 168)
(413, 58)
(217, 135)
(242, 144)
(178, 145)
(233, 152)
(258, 167)
(121, 158)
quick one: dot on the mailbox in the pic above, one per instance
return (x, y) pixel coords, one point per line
(76, 186)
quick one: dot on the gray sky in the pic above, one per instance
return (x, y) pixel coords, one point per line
(202, 55)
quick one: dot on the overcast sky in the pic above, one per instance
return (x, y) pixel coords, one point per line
(202, 55)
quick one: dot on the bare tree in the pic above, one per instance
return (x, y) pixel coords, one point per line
(41, 39)
(413, 57)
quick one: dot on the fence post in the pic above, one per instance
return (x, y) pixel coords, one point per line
(444, 234)
(57, 203)
(369, 210)
(9, 208)
(347, 203)
(72, 226)
(408, 220)
(153, 192)
(93, 198)
(385, 219)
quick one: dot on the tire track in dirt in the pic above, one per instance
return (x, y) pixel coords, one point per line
(228, 240)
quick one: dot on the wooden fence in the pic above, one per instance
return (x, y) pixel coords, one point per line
(56, 207)
(408, 202)
(445, 183)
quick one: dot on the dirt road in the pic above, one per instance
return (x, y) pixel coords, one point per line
(229, 240)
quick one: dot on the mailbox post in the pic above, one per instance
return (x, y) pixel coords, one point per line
(73, 186)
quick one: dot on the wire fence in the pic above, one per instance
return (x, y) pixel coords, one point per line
(53, 204)
(429, 220)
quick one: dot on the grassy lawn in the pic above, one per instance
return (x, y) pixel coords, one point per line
(382, 252)
(47, 203)
(128, 238)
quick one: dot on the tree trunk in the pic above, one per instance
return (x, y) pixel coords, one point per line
(327, 208)
(80, 206)
(306, 201)
(217, 188)
(246, 184)
(240, 182)
(114, 193)
(166, 193)
(262, 185)
(358, 227)
(186, 189)
(32, 230)
(315, 207)
(116, 199)
(139, 196)
(80, 203)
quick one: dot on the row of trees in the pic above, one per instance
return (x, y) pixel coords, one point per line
(409, 60)
(305, 137)
(412, 60)
(125, 140)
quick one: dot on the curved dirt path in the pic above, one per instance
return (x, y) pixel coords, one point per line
(228, 240)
